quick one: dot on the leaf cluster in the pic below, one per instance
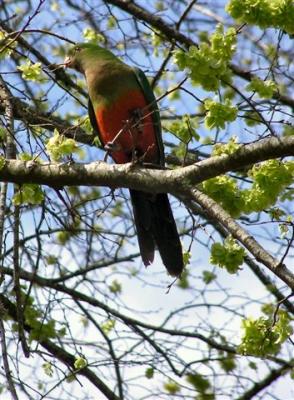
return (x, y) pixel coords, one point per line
(228, 255)
(31, 72)
(218, 114)
(264, 335)
(265, 89)
(269, 180)
(28, 193)
(40, 328)
(209, 64)
(264, 13)
(201, 385)
(58, 146)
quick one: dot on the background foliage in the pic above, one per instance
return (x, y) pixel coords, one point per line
(80, 317)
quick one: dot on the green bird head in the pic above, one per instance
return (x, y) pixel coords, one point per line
(82, 55)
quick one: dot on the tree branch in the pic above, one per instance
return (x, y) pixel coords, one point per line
(31, 116)
(215, 211)
(146, 179)
(11, 154)
(177, 182)
(268, 380)
(174, 35)
(62, 355)
(256, 269)
(79, 296)
(10, 383)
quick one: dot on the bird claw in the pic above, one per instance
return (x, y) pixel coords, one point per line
(110, 146)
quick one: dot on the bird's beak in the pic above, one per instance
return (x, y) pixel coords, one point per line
(67, 62)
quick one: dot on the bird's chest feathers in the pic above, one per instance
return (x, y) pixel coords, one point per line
(126, 127)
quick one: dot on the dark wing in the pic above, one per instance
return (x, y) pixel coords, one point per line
(93, 119)
(151, 101)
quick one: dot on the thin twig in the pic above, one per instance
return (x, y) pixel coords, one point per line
(31, 17)
(3, 193)
(11, 155)
(8, 375)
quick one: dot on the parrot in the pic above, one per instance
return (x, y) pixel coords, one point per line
(124, 114)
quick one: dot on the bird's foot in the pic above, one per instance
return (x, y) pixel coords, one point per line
(143, 157)
(137, 120)
(111, 146)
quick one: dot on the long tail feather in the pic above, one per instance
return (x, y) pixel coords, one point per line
(155, 225)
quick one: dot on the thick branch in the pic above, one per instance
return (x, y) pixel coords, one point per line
(216, 212)
(177, 182)
(255, 268)
(149, 180)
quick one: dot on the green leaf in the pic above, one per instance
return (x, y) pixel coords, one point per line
(149, 373)
(208, 277)
(208, 64)
(84, 321)
(288, 130)
(59, 146)
(80, 363)
(264, 336)
(265, 89)
(228, 364)
(270, 178)
(276, 213)
(224, 190)
(31, 72)
(91, 36)
(228, 148)
(5, 40)
(28, 193)
(264, 13)
(186, 257)
(107, 326)
(63, 237)
(199, 382)
(111, 22)
(115, 287)
(185, 129)
(51, 259)
(252, 118)
(117, 210)
(218, 114)
(228, 255)
(48, 368)
(172, 387)
(252, 365)
(85, 124)
(183, 282)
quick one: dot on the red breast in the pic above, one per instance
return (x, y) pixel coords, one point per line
(128, 123)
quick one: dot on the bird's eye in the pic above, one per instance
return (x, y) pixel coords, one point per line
(77, 49)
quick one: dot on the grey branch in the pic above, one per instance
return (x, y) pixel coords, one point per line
(146, 179)
(216, 212)
(178, 182)
(10, 383)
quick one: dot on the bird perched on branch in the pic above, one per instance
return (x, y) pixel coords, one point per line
(124, 113)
